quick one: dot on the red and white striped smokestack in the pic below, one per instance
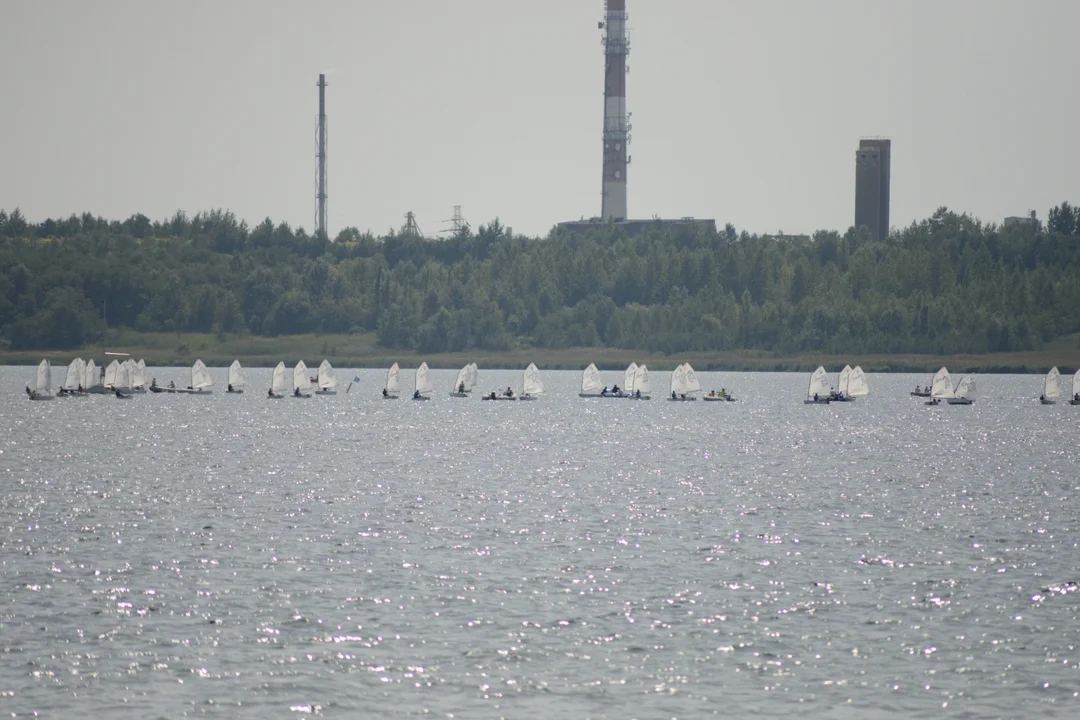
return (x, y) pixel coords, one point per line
(616, 121)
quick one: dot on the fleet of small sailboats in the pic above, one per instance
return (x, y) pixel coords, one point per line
(129, 376)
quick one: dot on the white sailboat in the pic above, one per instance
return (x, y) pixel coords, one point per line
(818, 391)
(300, 380)
(857, 385)
(461, 382)
(965, 391)
(92, 378)
(237, 381)
(279, 383)
(684, 383)
(42, 389)
(840, 393)
(327, 379)
(110, 375)
(122, 381)
(1051, 390)
(391, 389)
(941, 388)
(138, 376)
(422, 383)
(628, 379)
(1075, 400)
(532, 385)
(470, 381)
(590, 382)
(201, 382)
(640, 388)
(73, 383)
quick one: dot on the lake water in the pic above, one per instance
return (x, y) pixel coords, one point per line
(228, 556)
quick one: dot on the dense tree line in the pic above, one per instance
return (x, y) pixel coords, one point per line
(948, 284)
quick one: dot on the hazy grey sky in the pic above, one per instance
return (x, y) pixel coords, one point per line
(748, 112)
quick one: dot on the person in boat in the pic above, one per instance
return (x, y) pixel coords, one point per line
(117, 392)
(153, 382)
(230, 387)
(1042, 398)
(461, 388)
(604, 391)
(674, 396)
(415, 395)
(296, 392)
(509, 392)
(385, 393)
(637, 394)
(614, 389)
(682, 396)
(723, 393)
(172, 385)
(80, 388)
(270, 392)
(1076, 397)
(492, 395)
(815, 397)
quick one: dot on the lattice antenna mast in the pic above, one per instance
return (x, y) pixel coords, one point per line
(320, 160)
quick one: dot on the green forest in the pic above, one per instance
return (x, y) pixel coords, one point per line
(948, 284)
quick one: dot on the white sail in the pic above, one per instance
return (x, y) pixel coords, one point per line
(236, 375)
(470, 381)
(300, 379)
(641, 380)
(90, 376)
(200, 376)
(966, 388)
(392, 386)
(628, 378)
(75, 373)
(422, 382)
(692, 384)
(122, 381)
(44, 377)
(942, 385)
(856, 384)
(110, 373)
(1076, 385)
(138, 374)
(327, 379)
(819, 384)
(280, 384)
(461, 383)
(842, 381)
(590, 381)
(1051, 390)
(532, 384)
(678, 380)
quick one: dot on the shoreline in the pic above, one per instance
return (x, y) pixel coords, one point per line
(360, 351)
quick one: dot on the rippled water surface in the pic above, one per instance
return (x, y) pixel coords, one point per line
(344, 556)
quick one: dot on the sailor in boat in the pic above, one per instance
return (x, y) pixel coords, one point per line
(172, 385)
(385, 393)
(674, 396)
(603, 393)
(723, 393)
(1042, 398)
(230, 387)
(1076, 397)
(509, 392)
(296, 392)
(415, 395)
(815, 397)
(153, 382)
(117, 392)
(461, 387)
(270, 392)
(614, 389)
(492, 395)
(637, 394)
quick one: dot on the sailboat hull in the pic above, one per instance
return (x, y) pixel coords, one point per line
(919, 393)
(716, 398)
(819, 401)
(1047, 401)
(497, 397)
(689, 398)
(234, 392)
(529, 397)
(459, 394)
(1074, 402)
(326, 392)
(959, 401)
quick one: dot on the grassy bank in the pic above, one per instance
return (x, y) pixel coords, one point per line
(179, 349)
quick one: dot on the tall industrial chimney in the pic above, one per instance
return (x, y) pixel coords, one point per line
(320, 157)
(616, 122)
